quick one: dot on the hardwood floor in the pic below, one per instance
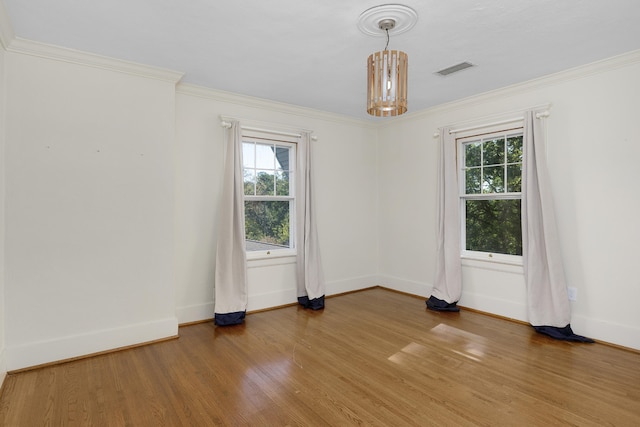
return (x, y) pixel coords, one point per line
(374, 357)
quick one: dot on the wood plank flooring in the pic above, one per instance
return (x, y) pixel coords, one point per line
(374, 358)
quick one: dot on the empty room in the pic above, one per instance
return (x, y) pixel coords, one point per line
(319, 213)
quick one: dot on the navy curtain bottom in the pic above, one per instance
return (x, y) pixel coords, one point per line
(436, 304)
(564, 334)
(227, 319)
(313, 304)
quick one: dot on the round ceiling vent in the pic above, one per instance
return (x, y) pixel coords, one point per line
(404, 19)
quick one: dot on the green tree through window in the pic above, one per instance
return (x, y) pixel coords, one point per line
(491, 177)
(268, 194)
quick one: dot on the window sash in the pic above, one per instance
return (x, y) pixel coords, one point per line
(270, 140)
(464, 196)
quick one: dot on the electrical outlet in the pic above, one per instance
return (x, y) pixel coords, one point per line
(573, 293)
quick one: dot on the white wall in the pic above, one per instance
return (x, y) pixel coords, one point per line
(346, 190)
(113, 182)
(89, 209)
(113, 185)
(3, 91)
(593, 147)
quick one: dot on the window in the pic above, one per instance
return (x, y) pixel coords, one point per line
(269, 188)
(490, 195)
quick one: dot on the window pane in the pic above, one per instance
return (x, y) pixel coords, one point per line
(248, 155)
(472, 153)
(493, 152)
(265, 158)
(514, 149)
(493, 179)
(494, 226)
(282, 183)
(267, 225)
(282, 158)
(472, 181)
(514, 178)
(249, 182)
(265, 183)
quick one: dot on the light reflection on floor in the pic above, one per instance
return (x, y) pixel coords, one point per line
(463, 343)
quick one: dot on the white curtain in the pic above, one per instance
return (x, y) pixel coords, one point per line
(231, 262)
(447, 287)
(547, 297)
(310, 278)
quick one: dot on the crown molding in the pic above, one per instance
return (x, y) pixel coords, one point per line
(267, 104)
(572, 74)
(6, 29)
(57, 53)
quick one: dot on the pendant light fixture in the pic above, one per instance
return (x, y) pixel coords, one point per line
(387, 70)
(387, 79)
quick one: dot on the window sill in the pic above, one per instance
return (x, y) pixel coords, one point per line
(267, 258)
(507, 264)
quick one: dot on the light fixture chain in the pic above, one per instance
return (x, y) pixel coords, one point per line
(387, 45)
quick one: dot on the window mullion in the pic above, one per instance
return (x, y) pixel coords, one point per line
(481, 165)
(255, 170)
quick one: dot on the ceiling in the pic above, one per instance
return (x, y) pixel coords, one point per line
(312, 54)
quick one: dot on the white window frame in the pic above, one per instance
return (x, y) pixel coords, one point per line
(264, 137)
(461, 140)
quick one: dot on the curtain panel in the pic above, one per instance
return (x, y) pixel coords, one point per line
(310, 277)
(230, 294)
(447, 286)
(547, 298)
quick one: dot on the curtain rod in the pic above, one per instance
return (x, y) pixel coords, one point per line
(539, 115)
(227, 125)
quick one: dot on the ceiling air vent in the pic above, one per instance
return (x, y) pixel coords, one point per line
(454, 68)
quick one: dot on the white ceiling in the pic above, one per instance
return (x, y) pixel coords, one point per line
(311, 53)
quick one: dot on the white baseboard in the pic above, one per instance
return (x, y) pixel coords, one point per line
(483, 303)
(350, 285)
(195, 313)
(500, 307)
(407, 286)
(38, 353)
(271, 299)
(601, 330)
(3, 366)
(612, 333)
(205, 311)
(289, 296)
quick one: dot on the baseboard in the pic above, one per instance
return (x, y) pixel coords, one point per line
(499, 307)
(3, 368)
(265, 300)
(195, 313)
(613, 333)
(269, 300)
(406, 286)
(69, 347)
(623, 336)
(285, 297)
(353, 284)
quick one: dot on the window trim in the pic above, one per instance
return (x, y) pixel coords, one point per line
(265, 137)
(465, 254)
